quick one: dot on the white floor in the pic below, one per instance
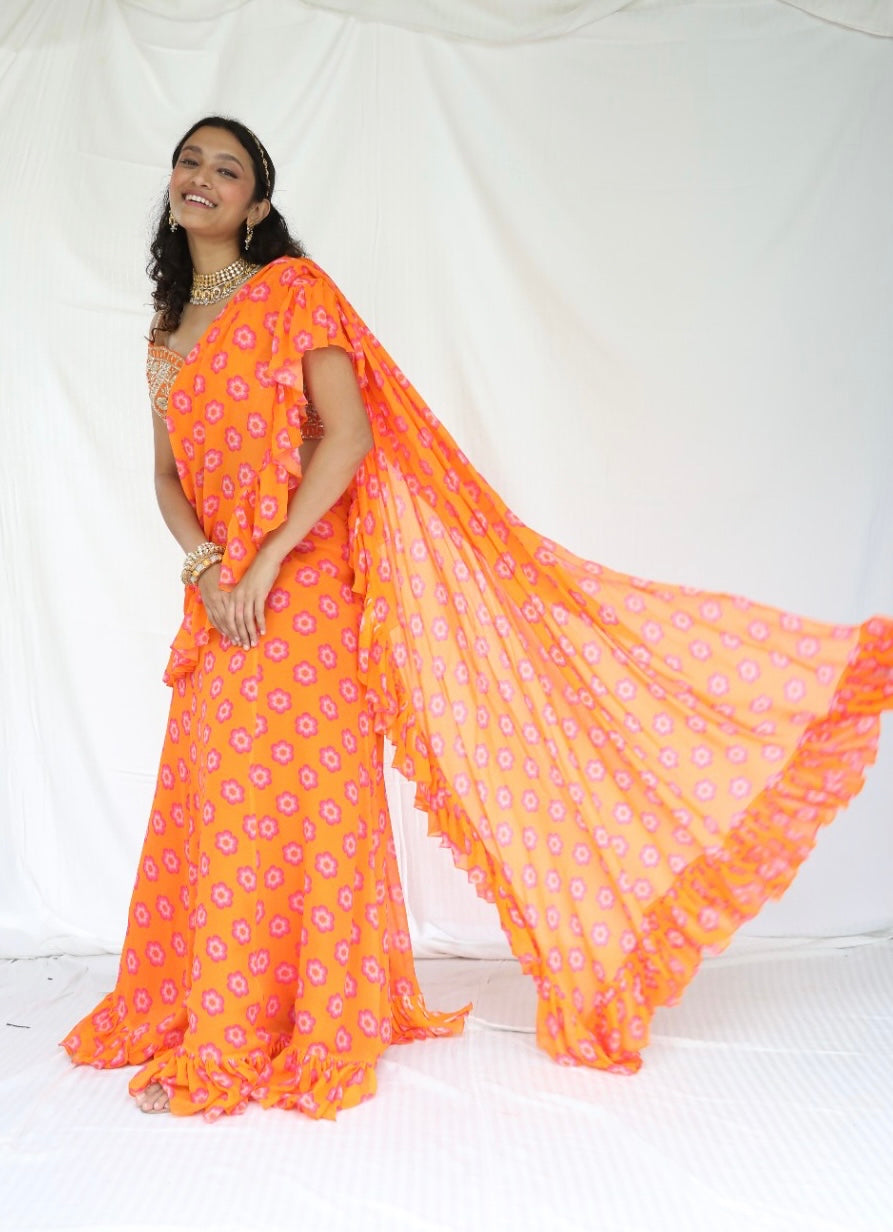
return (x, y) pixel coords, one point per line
(765, 1103)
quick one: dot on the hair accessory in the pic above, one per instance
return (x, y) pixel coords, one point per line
(249, 232)
(263, 159)
(198, 560)
(212, 288)
(171, 221)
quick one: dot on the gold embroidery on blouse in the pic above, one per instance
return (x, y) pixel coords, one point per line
(162, 366)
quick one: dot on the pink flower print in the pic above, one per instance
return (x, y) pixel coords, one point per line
(529, 876)
(258, 428)
(212, 1002)
(317, 972)
(772, 752)
(795, 690)
(808, 647)
(701, 756)
(622, 813)
(224, 711)
(372, 970)
(245, 338)
(233, 439)
(169, 992)
(279, 925)
(293, 853)
(700, 650)
(260, 776)
(226, 842)
(259, 962)
(216, 948)
(279, 700)
(681, 621)
(237, 388)
(330, 812)
(309, 830)
(349, 845)
(330, 758)
(155, 954)
(237, 984)
(221, 895)
(530, 801)
(749, 670)
(304, 624)
(326, 864)
(652, 632)
(304, 674)
(232, 791)
(268, 827)
(150, 869)
(761, 704)
(368, 1023)
(504, 834)
(668, 758)
(323, 919)
(718, 684)
(552, 881)
(625, 690)
(246, 878)
(705, 790)
(276, 649)
(342, 953)
(711, 610)
(308, 778)
(285, 973)
(581, 854)
(164, 907)
(142, 1001)
(287, 803)
(600, 934)
(240, 740)
(241, 931)
(142, 915)
(235, 1036)
(274, 877)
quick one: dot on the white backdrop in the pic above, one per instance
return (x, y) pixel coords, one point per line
(636, 256)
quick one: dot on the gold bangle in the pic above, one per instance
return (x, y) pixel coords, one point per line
(202, 566)
(203, 550)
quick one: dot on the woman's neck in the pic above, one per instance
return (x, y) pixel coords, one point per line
(209, 256)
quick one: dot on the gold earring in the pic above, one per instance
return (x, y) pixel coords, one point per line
(249, 232)
(171, 221)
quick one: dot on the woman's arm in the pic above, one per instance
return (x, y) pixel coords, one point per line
(186, 529)
(332, 387)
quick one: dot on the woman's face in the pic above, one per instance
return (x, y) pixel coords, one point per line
(212, 185)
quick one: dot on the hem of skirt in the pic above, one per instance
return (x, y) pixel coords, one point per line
(715, 894)
(214, 1084)
(286, 1076)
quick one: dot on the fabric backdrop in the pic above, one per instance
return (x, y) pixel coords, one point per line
(636, 256)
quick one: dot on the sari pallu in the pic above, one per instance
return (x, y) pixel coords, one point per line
(627, 769)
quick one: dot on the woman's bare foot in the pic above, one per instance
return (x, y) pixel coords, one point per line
(153, 1099)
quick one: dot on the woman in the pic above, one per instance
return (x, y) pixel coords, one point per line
(627, 769)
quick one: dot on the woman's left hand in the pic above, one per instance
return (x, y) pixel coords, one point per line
(249, 597)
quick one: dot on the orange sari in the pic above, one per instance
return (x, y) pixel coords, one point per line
(628, 769)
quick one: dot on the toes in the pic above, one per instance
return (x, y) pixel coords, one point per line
(153, 1099)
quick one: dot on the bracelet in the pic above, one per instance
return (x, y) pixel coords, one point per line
(203, 565)
(208, 551)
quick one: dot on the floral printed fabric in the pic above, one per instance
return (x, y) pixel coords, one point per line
(628, 769)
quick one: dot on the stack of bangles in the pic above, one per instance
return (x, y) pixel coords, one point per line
(198, 560)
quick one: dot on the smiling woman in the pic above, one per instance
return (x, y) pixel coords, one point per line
(628, 769)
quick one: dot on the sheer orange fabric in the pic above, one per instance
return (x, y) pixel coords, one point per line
(628, 769)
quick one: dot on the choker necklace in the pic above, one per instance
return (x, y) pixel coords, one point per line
(212, 288)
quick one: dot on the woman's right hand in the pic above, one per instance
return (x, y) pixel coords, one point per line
(218, 604)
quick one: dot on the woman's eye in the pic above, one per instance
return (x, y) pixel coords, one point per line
(187, 162)
(226, 171)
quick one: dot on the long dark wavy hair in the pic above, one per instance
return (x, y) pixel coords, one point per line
(170, 265)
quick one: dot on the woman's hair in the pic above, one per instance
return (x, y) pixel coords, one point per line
(170, 265)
